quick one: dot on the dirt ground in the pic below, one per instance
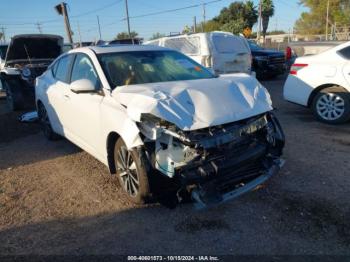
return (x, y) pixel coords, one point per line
(57, 199)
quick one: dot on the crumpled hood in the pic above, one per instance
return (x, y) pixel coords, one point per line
(196, 104)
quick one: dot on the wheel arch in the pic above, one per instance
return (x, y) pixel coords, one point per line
(110, 143)
(317, 90)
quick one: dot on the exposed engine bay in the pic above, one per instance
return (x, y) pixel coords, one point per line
(214, 162)
(28, 72)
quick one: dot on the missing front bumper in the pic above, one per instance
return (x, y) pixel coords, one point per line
(208, 196)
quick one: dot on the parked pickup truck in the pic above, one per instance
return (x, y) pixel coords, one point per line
(267, 62)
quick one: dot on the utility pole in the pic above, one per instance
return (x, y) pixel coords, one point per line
(128, 20)
(99, 27)
(260, 21)
(203, 5)
(194, 24)
(327, 20)
(62, 10)
(3, 34)
(79, 34)
(276, 24)
(39, 27)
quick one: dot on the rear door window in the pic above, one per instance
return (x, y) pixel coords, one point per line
(185, 45)
(229, 44)
(61, 73)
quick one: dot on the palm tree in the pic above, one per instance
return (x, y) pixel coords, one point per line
(267, 10)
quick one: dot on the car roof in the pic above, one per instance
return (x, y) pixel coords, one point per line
(119, 48)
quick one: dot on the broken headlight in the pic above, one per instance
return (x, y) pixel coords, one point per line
(170, 150)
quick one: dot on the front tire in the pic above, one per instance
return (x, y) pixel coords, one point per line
(46, 124)
(132, 175)
(332, 105)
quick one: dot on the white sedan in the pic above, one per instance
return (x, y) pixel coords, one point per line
(162, 123)
(322, 82)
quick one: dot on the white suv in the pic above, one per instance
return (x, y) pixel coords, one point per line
(223, 52)
(322, 82)
(161, 122)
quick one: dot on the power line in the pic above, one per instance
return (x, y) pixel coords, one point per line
(96, 10)
(59, 20)
(173, 10)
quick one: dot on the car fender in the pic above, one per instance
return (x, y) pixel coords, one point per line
(116, 119)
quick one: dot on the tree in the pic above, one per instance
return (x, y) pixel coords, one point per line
(237, 16)
(125, 35)
(314, 21)
(267, 10)
(209, 26)
(156, 36)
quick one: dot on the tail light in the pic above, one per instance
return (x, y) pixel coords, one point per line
(296, 67)
(288, 53)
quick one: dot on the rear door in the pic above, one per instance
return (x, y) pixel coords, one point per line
(232, 54)
(345, 53)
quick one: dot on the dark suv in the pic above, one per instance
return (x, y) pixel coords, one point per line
(267, 63)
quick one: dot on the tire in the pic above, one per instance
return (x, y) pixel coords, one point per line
(14, 96)
(46, 124)
(332, 105)
(132, 176)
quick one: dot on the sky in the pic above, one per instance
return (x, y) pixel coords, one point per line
(23, 16)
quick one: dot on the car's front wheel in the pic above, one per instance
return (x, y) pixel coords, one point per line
(132, 172)
(46, 124)
(332, 105)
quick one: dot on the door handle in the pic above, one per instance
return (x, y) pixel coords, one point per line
(66, 97)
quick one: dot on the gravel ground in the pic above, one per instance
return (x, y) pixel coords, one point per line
(56, 199)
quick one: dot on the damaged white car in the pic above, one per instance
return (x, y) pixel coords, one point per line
(162, 123)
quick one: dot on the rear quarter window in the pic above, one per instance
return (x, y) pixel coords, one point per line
(345, 52)
(185, 45)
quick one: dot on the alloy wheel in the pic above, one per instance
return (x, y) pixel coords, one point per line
(127, 171)
(330, 106)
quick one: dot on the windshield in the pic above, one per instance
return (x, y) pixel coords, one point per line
(3, 50)
(141, 67)
(254, 46)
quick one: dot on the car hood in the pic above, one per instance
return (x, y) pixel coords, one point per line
(195, 104)
(34, 47)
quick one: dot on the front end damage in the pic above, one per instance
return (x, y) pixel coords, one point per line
(217, 163)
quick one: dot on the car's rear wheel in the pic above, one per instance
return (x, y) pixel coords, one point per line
(46, 124)
(132, 172)
(332, 105)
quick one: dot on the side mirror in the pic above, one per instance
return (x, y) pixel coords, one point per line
(83, 86)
